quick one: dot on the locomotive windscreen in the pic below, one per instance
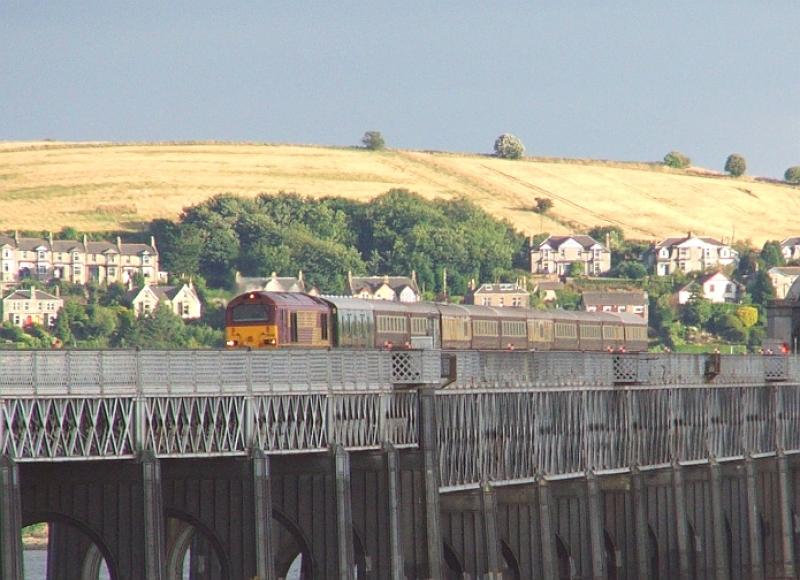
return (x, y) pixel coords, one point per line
(250, 313)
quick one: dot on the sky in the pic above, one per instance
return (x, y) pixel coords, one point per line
(626, 81)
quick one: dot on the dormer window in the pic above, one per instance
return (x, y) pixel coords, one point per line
(663, 253)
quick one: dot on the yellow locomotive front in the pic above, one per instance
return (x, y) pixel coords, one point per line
(250, 322)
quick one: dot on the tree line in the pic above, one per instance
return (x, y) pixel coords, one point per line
(396, 233)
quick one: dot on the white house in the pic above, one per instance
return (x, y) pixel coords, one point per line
(716, 287)
(183, 301)
(690, 254)
(393, 288)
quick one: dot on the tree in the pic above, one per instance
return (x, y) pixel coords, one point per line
(631, 269)
(543, 205)
(771, 254)
(792, 174)
(576, 269)
(507, 146)
(677, 160)
(696, 312)
(373, 140)
(735, 165)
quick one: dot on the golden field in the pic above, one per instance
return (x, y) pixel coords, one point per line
(100, 186)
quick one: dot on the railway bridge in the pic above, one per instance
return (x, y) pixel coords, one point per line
(401, 464)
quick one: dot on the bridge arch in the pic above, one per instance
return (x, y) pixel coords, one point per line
(291, 544)
(612, 565)
(455, 569)
(189, 533)
(511, 569)
(96, 552)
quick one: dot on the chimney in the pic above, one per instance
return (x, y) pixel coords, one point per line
(58, 291)
(153, 242)
(84, 242)
(119, 244)
(191, 285)
(300, 275)
(16, 236)
(274, 275)
(386, 278)
(50, 239)
(414, 276)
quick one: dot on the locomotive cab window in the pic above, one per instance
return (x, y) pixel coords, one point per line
(250, 313)
(293, 326)
(324, 326)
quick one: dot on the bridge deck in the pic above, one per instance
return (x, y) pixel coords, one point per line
(505, 417)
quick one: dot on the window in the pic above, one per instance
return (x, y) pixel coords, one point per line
(514, 328)
(486, 301)
(484, 327)
(419, 326)
(42, 269)
(76, 257)
(293, 327)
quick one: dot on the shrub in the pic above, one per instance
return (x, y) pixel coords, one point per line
(677, 160)
(748, 315)
(507, 146)
(735, 165)
(373, 140)
(792, 174)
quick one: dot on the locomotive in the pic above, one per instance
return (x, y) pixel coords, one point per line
(261, 319)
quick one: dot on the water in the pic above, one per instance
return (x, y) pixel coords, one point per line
(36, 567)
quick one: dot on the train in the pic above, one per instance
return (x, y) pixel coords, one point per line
(281, 320)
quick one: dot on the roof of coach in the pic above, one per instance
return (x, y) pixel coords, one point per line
(389, 307)
(570, 315)
(481, 311)
(603, 317)
(512, 313)
(426, 308)
(631, 318)
(349, 303)
(452, 309)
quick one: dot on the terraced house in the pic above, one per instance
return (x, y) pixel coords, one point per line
(79, 262)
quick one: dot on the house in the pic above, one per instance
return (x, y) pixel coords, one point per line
(783, 279)
(557, 254)
(26, 307)
(183, 300)
(716, 287)
(548, 289)
(690, 254)
(633, 301)
(393, 288)
(75, 261)
(790, 248)
(274, 283)
(500, 295)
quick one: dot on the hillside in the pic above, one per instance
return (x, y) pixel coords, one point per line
(96, 187)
